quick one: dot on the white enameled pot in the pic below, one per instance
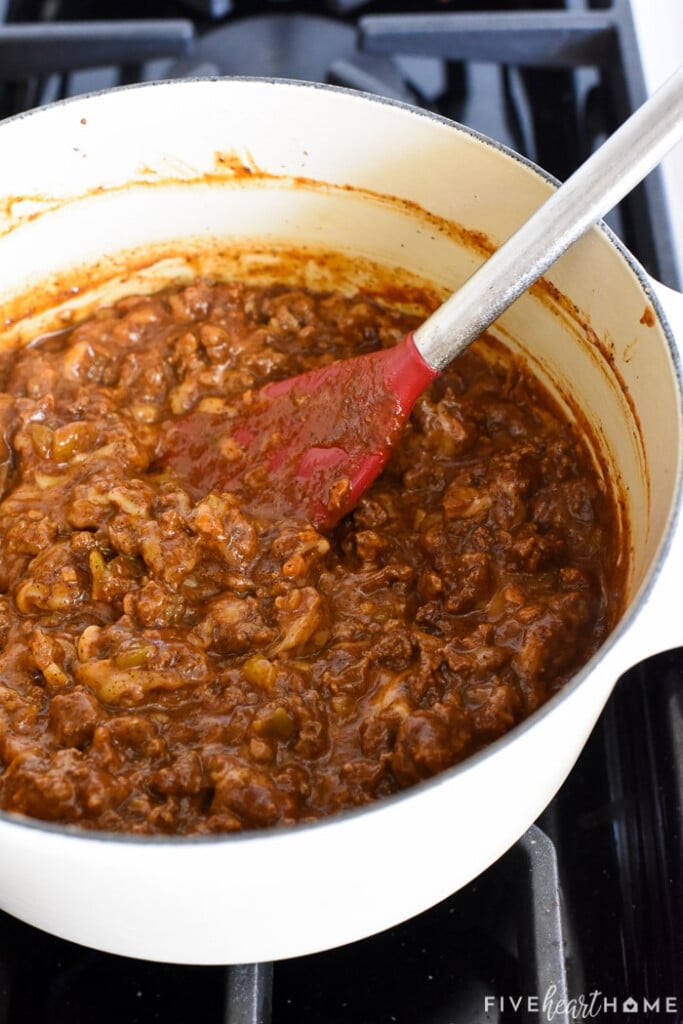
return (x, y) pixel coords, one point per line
(132, 188)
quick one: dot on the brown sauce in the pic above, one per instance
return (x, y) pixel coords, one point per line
(172, 663)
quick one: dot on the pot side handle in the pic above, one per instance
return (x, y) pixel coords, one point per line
(660, 626)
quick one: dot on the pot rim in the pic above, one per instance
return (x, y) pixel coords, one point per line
(519, 731)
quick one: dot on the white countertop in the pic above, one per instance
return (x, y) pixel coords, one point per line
(659, 24)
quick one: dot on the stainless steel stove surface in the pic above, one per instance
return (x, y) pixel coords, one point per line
(581, 919)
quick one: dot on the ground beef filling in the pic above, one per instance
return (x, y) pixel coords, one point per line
(172, 664)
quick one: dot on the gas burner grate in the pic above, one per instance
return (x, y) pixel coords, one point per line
(305, 47)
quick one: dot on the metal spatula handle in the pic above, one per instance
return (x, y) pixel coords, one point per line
(591, 192)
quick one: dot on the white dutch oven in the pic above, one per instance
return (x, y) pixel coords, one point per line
(151, 183)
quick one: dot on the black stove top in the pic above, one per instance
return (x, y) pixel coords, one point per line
(581, 919)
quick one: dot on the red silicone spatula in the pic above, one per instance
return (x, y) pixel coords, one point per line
(311, 445)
